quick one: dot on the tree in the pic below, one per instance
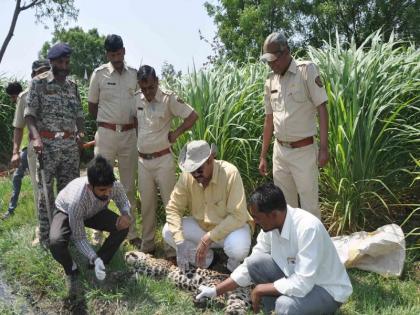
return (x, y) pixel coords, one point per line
(244, 24)
(169, 74)
(359, 18)
(57, 10)
(88, 49)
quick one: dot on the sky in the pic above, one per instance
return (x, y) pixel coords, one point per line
(153, 32)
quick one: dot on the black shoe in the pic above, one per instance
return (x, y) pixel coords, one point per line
(73, 284)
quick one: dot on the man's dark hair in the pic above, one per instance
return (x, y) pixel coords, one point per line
(14, 88)
(145, 72)
(113, 42)
(100, 172)
(267, 198)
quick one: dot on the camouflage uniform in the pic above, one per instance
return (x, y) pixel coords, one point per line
(55, 107)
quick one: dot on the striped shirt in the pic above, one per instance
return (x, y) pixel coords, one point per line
(80, 204)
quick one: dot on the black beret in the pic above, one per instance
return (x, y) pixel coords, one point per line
(40, 64)
(59, 50)
(113, 42)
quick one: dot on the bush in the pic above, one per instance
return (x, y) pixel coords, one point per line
(373, 106)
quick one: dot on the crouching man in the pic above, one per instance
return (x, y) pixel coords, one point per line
(294, 264)
(84, 203)
(213, 194)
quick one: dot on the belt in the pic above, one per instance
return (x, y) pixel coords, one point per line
(56, 135)
(297, 144)
(154, 155)
(117, 127)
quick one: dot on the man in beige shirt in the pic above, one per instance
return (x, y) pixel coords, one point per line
(212, 191)
(111, 99)
(156, 110)
(293, 96)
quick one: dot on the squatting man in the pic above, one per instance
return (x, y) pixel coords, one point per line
(84, 202)
(294, 265)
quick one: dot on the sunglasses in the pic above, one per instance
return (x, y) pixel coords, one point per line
(199, 170)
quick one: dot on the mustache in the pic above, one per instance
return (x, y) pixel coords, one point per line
(60, 72)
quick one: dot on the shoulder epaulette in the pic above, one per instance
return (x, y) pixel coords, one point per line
(101, 67)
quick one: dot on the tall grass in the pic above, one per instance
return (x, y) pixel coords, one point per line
(228, 100)
(373, 102)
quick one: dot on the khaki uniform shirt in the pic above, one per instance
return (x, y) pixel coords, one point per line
(292, 99)
(220, 208)
(55, 105)
(154, 119)
(114, 93)
(19, 118)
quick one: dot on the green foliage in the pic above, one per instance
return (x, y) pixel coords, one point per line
(372, 102)
(243, 25)
(228, 100)
(7, 109)
(356, 19)
(169, 74)
(88, 49)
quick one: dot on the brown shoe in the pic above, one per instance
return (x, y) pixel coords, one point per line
(136, 242)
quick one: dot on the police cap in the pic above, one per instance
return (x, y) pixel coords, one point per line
(59, 50)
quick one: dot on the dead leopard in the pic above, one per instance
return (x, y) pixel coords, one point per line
(235, 302)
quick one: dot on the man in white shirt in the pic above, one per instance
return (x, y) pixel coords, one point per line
(84, 202)
(294, 264)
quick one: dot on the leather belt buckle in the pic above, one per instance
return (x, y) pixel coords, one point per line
(148, 156)
(118, 128)
(59, 135)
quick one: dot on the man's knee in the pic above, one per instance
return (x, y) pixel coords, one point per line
(253, 264)
(238, 252)
(286, 306)
(57, 243)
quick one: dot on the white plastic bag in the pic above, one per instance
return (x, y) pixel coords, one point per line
(381, 251)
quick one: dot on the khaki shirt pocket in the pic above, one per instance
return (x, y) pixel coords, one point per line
(297, 95)
(108, 90)
(276, 101)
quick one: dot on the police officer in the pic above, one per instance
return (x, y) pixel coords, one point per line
(293, 96)
(54, 116)
(26, 158)
(111, 99)
(155, 111)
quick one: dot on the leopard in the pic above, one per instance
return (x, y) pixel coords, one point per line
(236, 302)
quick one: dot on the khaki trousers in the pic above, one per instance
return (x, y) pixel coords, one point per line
(295, 171)
(123, 147)
(158, 173)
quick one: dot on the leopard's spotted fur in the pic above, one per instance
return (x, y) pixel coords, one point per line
(235, 302)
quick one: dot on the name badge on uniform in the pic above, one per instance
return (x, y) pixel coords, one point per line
(111, 83)
(273, 91)
(140, 108)
(291, 260)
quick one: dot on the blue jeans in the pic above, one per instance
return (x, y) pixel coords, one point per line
(17, 180)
